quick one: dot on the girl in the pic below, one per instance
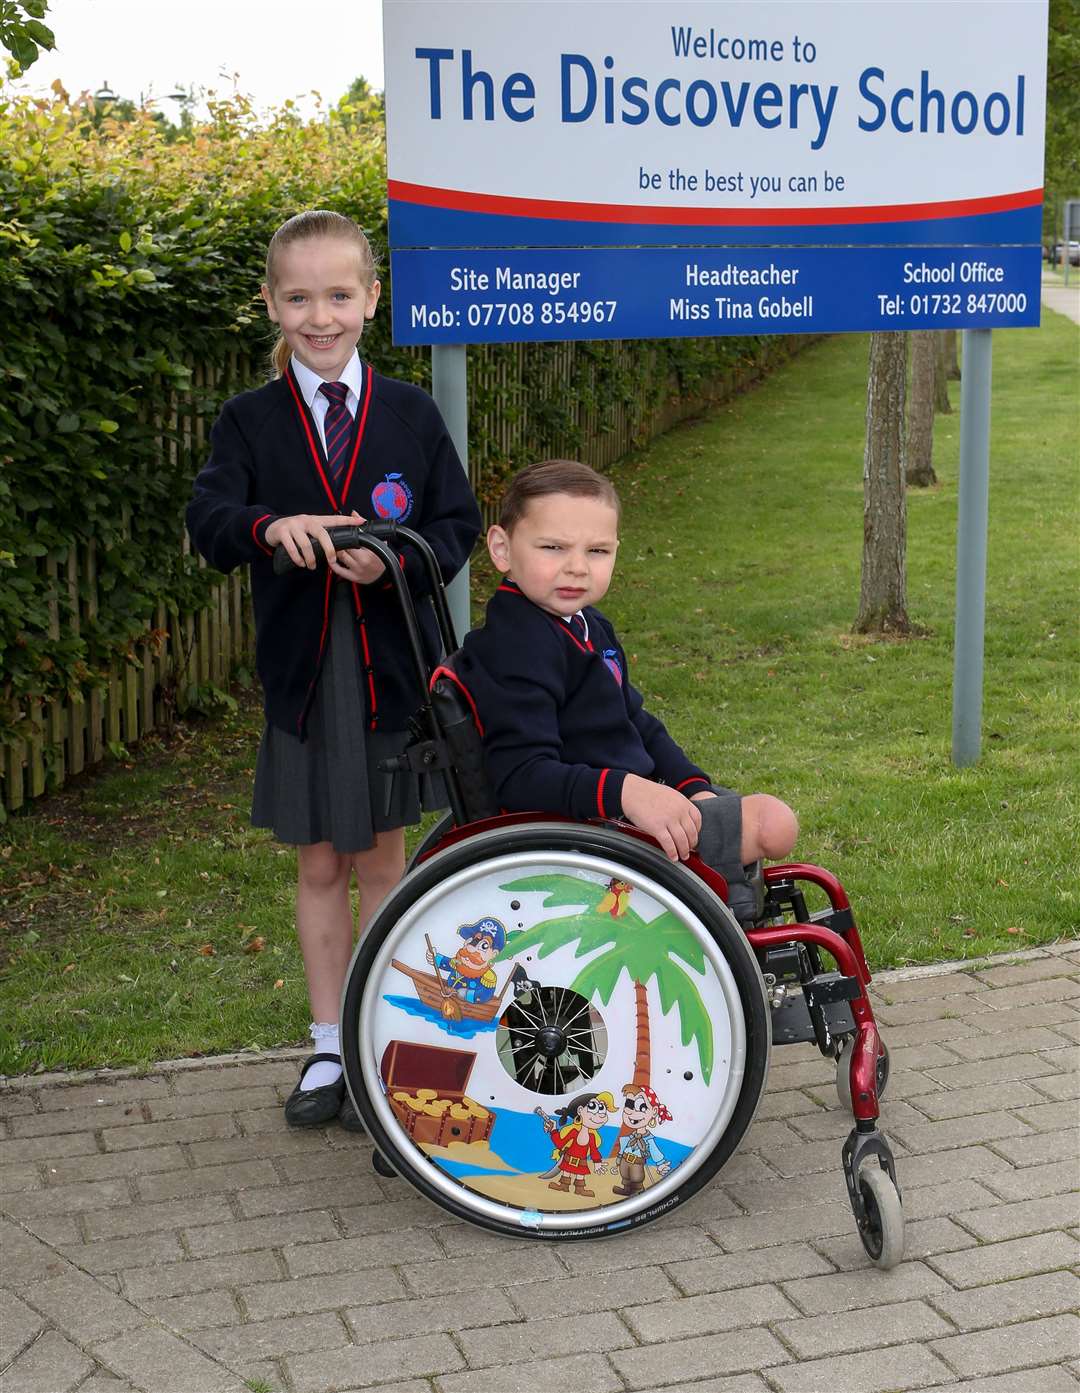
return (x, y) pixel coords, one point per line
(330, 441)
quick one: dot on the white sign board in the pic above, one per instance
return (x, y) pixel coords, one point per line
(900, 143)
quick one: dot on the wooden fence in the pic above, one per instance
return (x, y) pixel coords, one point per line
(177, 655)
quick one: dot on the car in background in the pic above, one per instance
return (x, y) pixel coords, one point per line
(1054, 254)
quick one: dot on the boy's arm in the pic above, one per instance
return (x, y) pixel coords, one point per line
(225, 524)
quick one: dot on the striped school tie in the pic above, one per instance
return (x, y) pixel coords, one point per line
(337, 428)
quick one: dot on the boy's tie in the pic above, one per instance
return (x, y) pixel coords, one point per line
(578, 627)
(336, 428)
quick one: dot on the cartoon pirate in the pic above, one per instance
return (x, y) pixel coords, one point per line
(642, 1113)
(575, 1138)
(469, 972)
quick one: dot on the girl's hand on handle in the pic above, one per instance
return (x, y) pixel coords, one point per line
(358, 565)
(664, 813)
(296, 534)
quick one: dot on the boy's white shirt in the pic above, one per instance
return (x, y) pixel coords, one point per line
(309, 383)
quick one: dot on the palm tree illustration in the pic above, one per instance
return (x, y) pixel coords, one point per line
(662, 948)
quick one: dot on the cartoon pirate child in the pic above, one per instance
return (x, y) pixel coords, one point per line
(642, 1113)
(469, 972)
(576, 1140)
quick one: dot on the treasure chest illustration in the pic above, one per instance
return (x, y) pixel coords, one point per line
(425, 1086)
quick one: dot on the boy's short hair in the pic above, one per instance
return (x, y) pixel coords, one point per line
(554, 476)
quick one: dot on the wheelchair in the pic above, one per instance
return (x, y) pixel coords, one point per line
(554, 1032)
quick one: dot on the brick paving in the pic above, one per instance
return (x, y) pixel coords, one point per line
(169, 1234)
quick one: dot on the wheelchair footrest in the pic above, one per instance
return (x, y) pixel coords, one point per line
(827, 995)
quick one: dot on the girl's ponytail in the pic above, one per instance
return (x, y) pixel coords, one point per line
(279, 356)
(316, 222)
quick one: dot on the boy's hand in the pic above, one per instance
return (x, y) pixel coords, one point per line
(664, 813)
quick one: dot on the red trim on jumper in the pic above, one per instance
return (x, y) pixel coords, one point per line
(366, 651)
(318, 660)
(338, 505)
(600, 792)
(448, 672)
(363, 409)
(462, 201)
(694, 779)
(269, 550)
(302, 413)
(586, 647)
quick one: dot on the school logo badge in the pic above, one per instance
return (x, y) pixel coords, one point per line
(611, 658)
(392, 499)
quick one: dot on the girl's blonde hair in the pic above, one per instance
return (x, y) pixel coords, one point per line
(316, 222)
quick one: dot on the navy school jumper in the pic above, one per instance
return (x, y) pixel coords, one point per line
(267, 461)
(562, 725)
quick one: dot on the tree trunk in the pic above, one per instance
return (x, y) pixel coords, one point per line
(952, 362)
(919, 442)
(642, 1056)
(883, 595)
(941, 376)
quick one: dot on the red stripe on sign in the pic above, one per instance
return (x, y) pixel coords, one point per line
(461, 200)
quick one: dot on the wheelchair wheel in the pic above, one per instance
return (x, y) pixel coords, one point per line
(554, 1032)
(882, 1233)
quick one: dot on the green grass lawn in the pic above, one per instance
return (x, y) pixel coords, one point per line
(144, 919)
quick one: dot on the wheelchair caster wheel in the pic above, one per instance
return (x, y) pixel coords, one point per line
(843, 1072)
(882, 1229)
(382, 1166)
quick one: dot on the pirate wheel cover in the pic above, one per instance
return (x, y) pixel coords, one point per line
(553, 1031)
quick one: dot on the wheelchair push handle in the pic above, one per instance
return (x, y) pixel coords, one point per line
(381, 537)
(345, 537)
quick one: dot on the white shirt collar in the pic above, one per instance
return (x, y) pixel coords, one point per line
(580, 614)
(309, 382)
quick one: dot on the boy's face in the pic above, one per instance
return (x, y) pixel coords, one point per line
(320, 301)
(561, 553)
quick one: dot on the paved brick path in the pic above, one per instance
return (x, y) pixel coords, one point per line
(167, 1233)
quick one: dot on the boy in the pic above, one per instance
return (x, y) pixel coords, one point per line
(564, 731)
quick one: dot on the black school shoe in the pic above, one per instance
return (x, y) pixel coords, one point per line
(317, 1105)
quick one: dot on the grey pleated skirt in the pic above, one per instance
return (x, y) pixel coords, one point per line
(329, 788)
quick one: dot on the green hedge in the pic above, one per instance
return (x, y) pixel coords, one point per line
(124, 259)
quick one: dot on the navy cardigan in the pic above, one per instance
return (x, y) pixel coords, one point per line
(267, 461)
(562, 725)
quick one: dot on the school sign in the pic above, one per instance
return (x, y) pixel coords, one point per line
(655, 169)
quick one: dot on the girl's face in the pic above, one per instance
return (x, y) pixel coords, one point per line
(320, 300)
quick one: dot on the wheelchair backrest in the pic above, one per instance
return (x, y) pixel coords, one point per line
(457, 715)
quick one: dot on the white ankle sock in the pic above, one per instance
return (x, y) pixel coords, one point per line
(324, 1037)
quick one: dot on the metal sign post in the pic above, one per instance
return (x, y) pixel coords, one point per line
(971, 526)
(450, 390)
